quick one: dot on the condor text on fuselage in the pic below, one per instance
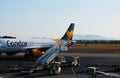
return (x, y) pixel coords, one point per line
(16, 43)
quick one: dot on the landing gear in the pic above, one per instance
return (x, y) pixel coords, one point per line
(28, 54)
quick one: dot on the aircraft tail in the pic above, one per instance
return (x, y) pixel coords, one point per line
(69, 33)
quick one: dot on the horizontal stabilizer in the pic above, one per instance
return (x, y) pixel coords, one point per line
(48, 56)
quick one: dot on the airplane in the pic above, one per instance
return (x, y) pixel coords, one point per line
(45, 49)
(35, 47)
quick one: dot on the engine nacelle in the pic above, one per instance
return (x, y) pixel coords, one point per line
(36, 52)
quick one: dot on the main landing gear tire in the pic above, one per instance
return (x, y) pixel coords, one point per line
(55, 70)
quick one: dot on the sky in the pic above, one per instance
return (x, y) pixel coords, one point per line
(51, 18)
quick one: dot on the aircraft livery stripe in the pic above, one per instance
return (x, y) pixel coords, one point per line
(57, 41)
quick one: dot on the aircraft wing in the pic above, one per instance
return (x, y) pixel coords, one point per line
(48, 56)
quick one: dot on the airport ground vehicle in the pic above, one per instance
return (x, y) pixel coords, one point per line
(29, 69)
(67, 60)
(16, 68)
(53, 68)
(93, 72)
(89, 72)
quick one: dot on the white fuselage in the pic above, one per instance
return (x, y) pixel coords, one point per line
(15, 45)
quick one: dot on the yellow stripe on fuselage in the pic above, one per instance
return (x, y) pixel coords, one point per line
(57, 41)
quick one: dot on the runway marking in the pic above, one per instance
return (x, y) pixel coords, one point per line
(75, 76)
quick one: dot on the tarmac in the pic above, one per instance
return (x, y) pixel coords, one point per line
(105, 59)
